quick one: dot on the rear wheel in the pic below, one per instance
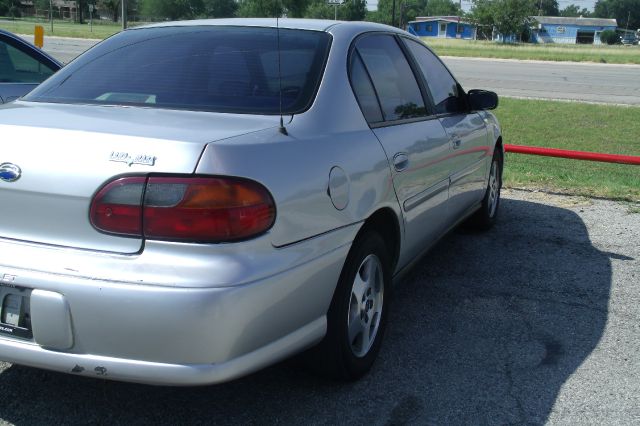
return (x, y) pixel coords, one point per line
(485, 217)
(357, 316)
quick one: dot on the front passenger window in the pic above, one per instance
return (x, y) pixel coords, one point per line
(398, 91)
(443, 87)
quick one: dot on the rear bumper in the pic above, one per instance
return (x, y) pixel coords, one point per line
(156, 373)
(158, 334)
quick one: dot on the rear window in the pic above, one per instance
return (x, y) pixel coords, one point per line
(221, 69)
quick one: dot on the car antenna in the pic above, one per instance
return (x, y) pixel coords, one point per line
(281, 129)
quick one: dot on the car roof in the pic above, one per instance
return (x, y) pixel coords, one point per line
(288, 23)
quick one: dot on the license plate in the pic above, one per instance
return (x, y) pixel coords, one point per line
(15, 312)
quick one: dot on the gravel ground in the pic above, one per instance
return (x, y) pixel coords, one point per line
(533, 322)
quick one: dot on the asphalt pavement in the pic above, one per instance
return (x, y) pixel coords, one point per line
(533, 322)
(576, 81)
(64, 49)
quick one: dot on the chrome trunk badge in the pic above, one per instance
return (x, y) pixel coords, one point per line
(9, 172)
(124, 157)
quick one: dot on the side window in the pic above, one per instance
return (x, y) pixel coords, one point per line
(443, 87)
(18, 67)
(364, 91)
(392, 77)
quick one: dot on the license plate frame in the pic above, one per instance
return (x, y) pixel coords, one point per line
(15, 311)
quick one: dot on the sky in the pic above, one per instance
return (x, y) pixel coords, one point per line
(466, 4)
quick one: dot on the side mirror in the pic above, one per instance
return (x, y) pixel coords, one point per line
(482, 99)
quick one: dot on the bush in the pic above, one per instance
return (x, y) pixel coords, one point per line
(609, 37)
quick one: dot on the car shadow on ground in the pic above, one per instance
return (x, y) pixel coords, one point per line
(485, 330)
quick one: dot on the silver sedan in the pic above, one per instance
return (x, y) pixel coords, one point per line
(189, 202)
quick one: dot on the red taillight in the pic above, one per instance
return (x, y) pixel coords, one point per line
(117, 208)
(198, 209)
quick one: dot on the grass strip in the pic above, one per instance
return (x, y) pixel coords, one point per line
(544, 52)
(99, 30)
(578, 126)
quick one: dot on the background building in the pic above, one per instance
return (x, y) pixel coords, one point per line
(442, 27)
(554, 29)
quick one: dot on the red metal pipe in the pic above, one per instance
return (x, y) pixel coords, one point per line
(577, 155)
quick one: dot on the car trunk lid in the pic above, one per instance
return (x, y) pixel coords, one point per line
(66, 153)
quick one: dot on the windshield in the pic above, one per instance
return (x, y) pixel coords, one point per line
(221, 69)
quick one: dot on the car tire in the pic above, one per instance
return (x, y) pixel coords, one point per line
(358, 312)
(485, 217)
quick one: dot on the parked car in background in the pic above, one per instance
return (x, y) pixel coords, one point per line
(22, 67)
(188, 202)
(629, 39)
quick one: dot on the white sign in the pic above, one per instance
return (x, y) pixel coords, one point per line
(335, 1)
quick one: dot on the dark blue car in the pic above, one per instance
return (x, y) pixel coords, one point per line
(22, 67)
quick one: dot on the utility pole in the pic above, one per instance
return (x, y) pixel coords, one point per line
(51, 14)
(458, 24)
(628, 17)
(393, 14)
(124, 14)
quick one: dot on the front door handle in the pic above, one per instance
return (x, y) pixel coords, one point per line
(457, 143)
(400, 161)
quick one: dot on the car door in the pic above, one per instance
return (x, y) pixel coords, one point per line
(414, 140)
(468, 136)
(22, 67)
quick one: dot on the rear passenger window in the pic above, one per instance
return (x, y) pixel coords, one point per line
(392, 77)
(443, 87)
(363, 89)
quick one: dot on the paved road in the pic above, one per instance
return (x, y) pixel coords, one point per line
(62, 48)
(550, 80)
(546, 80)
(536, 321)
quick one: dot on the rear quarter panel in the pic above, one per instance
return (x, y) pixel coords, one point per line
(296, 167)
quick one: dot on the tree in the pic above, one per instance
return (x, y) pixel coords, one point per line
(296, 8)
(113, 7)
(442, 8)
(41, 7)
(260, 8)
(626, 12)
(81, 5)
(573, 11)
(172, 9)
(384, 14)
(511, 17)
(10, 8)
(407, 10)
(482, 14)
(545, 7)
(609, 37)
(272, 8)
(351, 10)
(220, 8)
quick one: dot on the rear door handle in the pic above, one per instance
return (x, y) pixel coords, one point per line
(400, 161)
(457, 143)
